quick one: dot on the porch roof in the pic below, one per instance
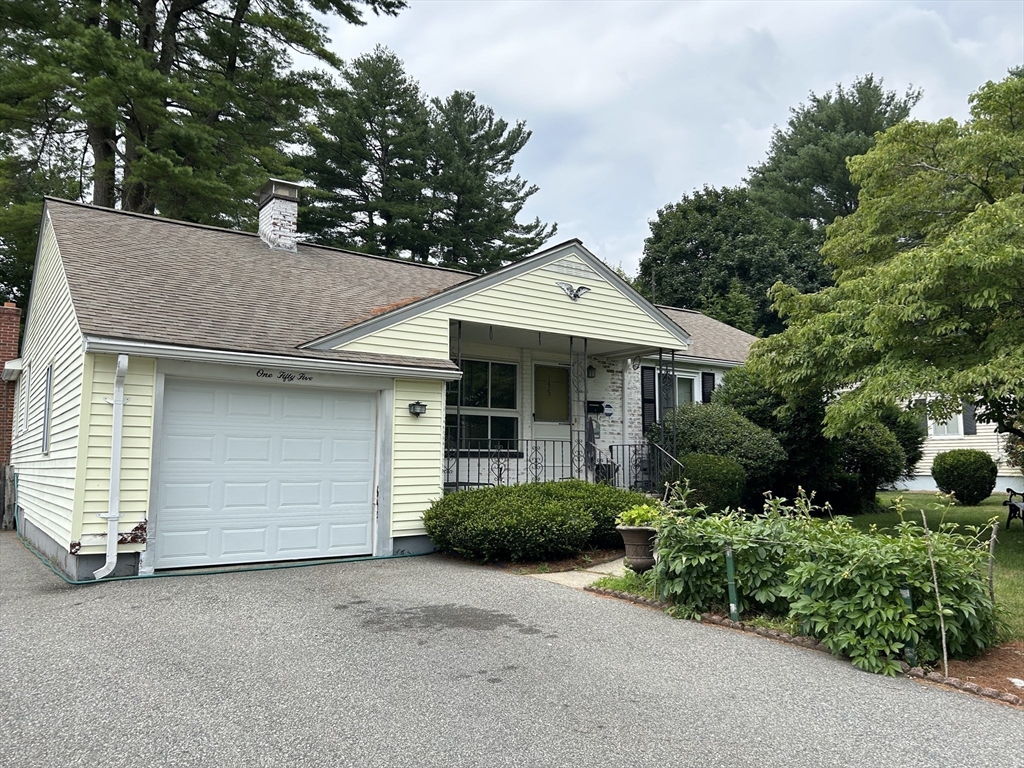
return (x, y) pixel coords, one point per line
(546, 341)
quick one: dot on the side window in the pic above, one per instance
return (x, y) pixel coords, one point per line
(950, 428)
(26, 386)
(47, 407)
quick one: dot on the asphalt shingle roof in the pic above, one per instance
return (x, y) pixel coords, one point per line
(150, 279)
(711, 338)
(144, 278)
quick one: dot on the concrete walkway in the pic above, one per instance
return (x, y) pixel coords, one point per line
(430, 662)
(584, 577)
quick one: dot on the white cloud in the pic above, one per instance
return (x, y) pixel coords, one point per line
(633, 104)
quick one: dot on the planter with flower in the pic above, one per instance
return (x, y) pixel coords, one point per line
(638, 527)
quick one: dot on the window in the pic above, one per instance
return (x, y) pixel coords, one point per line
(26, 378)
(684, 390)
(489, 402)
(950, 428)
(47, 407)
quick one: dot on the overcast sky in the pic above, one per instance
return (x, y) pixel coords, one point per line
(633, 104)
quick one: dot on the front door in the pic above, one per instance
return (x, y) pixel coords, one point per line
(551, 419)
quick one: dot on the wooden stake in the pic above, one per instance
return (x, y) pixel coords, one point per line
(938, 600)
(992, 562)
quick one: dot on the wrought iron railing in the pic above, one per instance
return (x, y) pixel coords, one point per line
(643, 467)
(476, 463)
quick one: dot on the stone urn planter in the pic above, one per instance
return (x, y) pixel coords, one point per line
(639, 541)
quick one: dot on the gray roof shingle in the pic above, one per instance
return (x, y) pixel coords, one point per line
(157, 280)
(144, 278)
(711, 338)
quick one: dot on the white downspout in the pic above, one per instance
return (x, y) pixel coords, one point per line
(112, 515)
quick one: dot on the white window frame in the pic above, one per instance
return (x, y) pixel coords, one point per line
(933, 425)
(24, 398)
(489, 411)
(47, 408)
(693, 376)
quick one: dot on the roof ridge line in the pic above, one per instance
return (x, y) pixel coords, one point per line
(230, 231)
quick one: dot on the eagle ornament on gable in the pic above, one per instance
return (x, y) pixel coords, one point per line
(573, 293)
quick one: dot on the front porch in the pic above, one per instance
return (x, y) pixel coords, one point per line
(536, 406)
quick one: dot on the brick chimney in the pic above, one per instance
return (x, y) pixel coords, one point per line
(279, 214)
(10, 331)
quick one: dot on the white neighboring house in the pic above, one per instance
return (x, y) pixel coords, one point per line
(963, 431)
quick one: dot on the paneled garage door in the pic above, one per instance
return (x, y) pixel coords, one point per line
(258, 473)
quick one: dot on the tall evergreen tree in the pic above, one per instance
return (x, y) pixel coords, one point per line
(805, 177)
(175, 107)
(367, 161)
(394, 175)
(719, 251)
(475, 199)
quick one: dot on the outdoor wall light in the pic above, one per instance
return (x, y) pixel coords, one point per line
(591, 372)
(417, 408)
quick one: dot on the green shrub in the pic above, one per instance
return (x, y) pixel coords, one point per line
(641, 516)
(847, 593)
(719, 430)
(970, 475)
(717, 482)
(909, 427)
(507, 524)
(691, 570)
(872, 452)
(841, 585)
(604, 503)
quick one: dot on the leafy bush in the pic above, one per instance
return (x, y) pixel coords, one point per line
(507, 524)
(843, 586)
(872, 452)
(691, 569)
(602, 502)
(719, 430)
(970, 475)
(848, 595)
(717, 482)
(909, 427)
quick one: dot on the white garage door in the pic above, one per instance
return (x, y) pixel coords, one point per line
(260, 473)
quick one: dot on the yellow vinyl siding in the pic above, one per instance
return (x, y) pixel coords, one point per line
(416, 464)
(420, 336)
(534, 301)
(92, 495)
(52, 337)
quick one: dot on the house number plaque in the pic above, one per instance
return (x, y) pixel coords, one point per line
(285, 376)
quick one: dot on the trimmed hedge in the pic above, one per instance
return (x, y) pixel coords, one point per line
(537, 521)
(716, 482)
(969, 474)
(603, 502)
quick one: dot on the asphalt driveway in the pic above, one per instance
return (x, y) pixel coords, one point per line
(428, 662)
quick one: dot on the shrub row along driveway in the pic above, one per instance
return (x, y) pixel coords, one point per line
(424, 662)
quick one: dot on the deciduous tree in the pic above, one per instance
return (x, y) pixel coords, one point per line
(719, 252)
(929, 275)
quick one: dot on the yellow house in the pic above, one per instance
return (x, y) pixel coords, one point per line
(194, 396)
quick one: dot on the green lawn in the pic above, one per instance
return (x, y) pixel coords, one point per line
(1009, 570)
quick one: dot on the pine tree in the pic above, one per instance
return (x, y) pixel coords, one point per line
(476, 200)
